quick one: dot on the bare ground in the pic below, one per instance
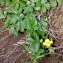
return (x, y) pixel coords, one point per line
(10, 51)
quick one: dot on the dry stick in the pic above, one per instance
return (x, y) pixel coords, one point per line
(39, 16)
(21, 41)
(49, 17)
(51, 35)
(59, 47)
(57, 40)
(10, 54)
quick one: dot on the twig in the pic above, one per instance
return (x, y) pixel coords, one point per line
(52, 35)
(21, 41)
(59, 47)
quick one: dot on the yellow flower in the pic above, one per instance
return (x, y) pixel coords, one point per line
(47, 43)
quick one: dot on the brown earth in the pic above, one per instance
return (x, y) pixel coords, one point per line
(56, 24)
(55, 31)
(10, 51)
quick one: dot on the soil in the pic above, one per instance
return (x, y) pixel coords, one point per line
(56, 24)
(12, 52)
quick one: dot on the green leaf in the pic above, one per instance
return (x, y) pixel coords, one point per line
(16, 6)
(13, 20)
(22, 3)
(60, 1)
(1, 14)
(35, 35)
(43, 9)
(6, 23)
(20, 10)
(10, 10)
(28, 26)
(34, 0)
(34, 56)
(13, 31)
(33, 24)
(3, 1)
(37, 45)
(17, 26)
(38, 4)
(35, 61)
(43, 22)
(28, 9)
(31, 48)
(43, 1)
(53, 3)
(47, 5)
(37, 8)
(21, 16)
(30, 40)
(25, 0)
(22, 26)
(41, 51)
